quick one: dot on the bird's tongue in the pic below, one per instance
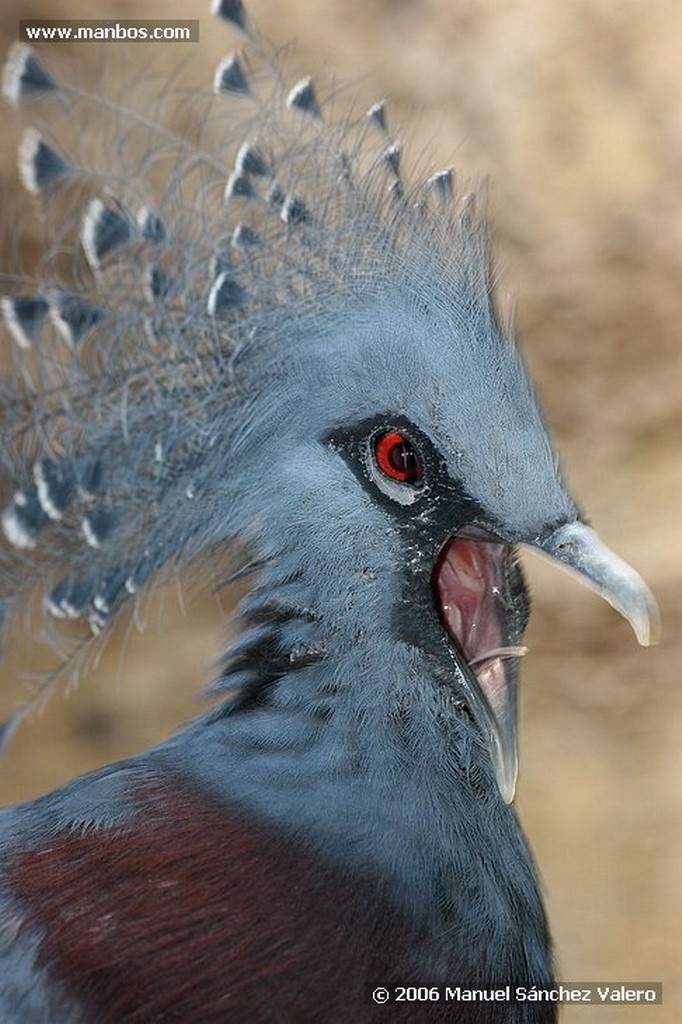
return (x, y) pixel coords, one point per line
(471, 584)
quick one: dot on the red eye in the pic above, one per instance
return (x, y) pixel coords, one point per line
(397, 459)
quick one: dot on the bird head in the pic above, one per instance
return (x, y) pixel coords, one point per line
(409, 464)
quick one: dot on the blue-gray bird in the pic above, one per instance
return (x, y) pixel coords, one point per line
(249, 334)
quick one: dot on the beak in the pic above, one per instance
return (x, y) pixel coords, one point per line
(498, 725)
(471, 581)
(578, 549)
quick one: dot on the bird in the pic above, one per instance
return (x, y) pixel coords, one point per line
(255, 348)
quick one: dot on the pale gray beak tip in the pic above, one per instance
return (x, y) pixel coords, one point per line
(577, 548)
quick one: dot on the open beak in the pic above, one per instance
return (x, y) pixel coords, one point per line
(472, 582)
(477, 608)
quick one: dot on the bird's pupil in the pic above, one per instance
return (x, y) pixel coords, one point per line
(403, 458)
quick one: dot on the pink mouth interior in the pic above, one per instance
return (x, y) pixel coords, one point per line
(471, 584)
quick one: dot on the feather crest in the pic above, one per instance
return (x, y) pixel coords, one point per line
(191, 239)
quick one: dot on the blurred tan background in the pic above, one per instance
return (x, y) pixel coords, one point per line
(574, 111)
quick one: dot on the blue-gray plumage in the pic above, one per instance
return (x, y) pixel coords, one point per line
(269, 342)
